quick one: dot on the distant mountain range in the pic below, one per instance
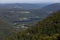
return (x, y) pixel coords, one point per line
(47, 9)
(52, 7)
(24, 5)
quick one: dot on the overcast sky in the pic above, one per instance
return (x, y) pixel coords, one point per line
(28, 1)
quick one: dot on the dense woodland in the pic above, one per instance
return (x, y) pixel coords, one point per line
(5, 29)
(47, 29)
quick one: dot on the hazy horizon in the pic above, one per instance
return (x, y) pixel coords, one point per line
(29, 1)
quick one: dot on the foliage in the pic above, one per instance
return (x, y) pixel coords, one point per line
(5, 29)
(48, 29)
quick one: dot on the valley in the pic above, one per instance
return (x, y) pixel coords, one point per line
(18, 17)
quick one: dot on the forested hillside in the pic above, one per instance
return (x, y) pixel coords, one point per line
(48, 29)
(5, 29)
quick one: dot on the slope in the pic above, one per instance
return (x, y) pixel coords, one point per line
(48, 29)
(5, 29)
(45, 11)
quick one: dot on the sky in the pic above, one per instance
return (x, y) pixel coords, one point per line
(29, 1)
